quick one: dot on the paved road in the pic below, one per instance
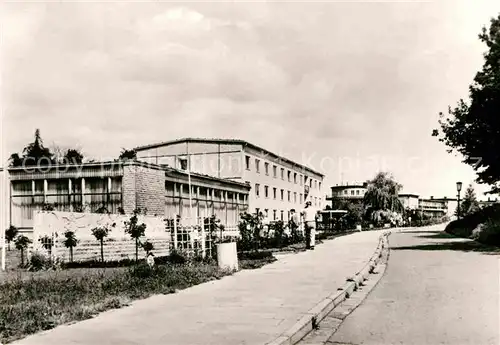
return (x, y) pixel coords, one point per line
(251, 307)
(436, 290)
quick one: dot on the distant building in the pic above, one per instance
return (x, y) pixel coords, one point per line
(278, 184)
(489, 202)
(354, 192)
(410, 201)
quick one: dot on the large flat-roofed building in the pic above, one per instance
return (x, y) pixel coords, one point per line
(122, 187)
(278, 184)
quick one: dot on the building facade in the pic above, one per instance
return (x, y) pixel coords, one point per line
(409, 201)
(117, 187)
(348, 192)
(277, 183)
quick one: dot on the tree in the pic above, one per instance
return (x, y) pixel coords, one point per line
(33, 154)
(73, 156)
(135, 230)
(469, 204)
(71, 242)
(10, 234)
(127, 154)
(148, 247)
(100, 233)
(382, 194)
(472, 128)
(22, 243)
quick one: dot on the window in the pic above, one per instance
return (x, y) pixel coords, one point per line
(282, 195)
(257, 210)
(300, 179)
(289, 175)
(282, 173)
(345, 192)
(257, 186)
(320, 185)
(266, 191)
(266, 212)
(247, 162)
(352, 192)
(274, 214)
(289, 196)
(275, 171)
(266, 168)
(300, 198)
(183, 162)
(257, 165)
(357, 192)
(295, 197)
(310, 183)
(295, 178)
(274, 193)
(281, 215)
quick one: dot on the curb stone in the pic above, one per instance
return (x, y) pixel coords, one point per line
(310, 320)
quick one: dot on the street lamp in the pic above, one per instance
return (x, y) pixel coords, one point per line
(459, 188)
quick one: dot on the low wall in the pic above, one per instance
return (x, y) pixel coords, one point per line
(118, 245)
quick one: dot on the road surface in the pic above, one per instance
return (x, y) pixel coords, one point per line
(436, 290)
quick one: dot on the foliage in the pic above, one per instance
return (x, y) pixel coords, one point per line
(382, 194)
(70, 242)
(469, 204)
(135, 230)
(490, 233)
(471, 127)
(48, 299)
(148, 247)
(10, 234)
(100, 233)
(127, 154)
(48, 207)
(278, 239)
(250, 226)
(33, 154)
(73, 156)
(38, 262)
(47, 243)
(22, 243)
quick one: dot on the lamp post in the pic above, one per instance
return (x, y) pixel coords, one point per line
(459, 188)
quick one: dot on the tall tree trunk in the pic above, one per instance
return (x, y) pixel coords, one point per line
(71, 254)
(136, 250)
(102, 251)
(22, 257)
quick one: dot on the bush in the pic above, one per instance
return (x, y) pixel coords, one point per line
(39, 262)
(490, 233)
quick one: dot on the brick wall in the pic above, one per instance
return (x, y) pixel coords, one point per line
(143, 188)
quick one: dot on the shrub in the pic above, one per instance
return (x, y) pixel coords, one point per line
(38, 262)
(22, 243)
(178, 257)
(10, 234)
(489, 233)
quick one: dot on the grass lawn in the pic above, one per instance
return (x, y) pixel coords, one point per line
(31, 302)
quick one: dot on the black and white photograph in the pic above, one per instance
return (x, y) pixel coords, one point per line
(250, 172)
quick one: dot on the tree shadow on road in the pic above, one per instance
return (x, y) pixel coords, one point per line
(464, 246)
(420, 232)
(437, 235)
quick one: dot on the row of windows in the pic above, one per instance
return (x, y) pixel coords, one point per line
(296, 178)
(282, 195)
(283, 215)
(346, 192)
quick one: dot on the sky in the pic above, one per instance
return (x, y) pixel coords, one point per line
(347, 88)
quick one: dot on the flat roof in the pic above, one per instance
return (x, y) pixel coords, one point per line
(118, 163)
(407, 194)
(225, 141)
(349, 186)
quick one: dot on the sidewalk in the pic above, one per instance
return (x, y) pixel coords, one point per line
(251, 307)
